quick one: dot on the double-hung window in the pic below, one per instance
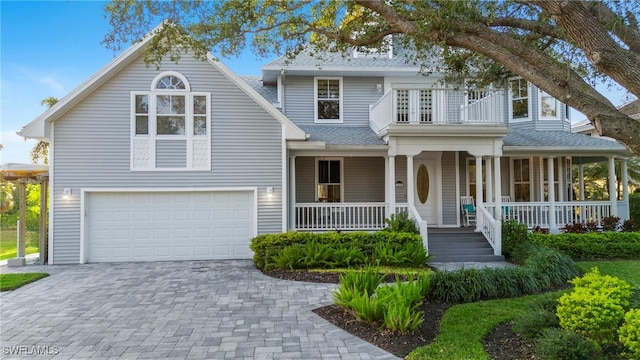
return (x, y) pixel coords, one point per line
(549, 106)
(519, 99)
(329, 180)
(521, 180)
(328, 100)
(170, 126)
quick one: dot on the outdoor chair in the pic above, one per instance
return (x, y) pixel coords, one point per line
(468, 210)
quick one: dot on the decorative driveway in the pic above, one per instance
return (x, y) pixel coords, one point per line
(177, 310)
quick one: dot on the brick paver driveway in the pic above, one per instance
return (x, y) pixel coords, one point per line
(192, 309)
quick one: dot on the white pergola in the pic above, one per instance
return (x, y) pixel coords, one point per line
(24, 174)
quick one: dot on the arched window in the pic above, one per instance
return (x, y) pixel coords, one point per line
(170, 126)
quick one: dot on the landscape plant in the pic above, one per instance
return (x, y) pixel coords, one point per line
(401, 222)
(629, 334)
(593, 246)
(595, 307)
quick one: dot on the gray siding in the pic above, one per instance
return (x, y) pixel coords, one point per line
(171, 153)
(358, 94)
(364, 179)
(449, 213)
(92, 148)
(401, 175)
(305, 179)
(505, 182)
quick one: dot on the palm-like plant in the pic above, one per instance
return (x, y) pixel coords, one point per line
(596, 177)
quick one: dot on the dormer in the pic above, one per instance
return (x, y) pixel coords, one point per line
(532, 108)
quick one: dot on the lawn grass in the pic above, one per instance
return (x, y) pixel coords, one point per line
(464, 326)
(8, 243)
(14, 281)
(627, 270)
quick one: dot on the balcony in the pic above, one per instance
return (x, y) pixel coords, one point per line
(437, 106)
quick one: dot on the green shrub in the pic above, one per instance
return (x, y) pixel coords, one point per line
(544, 269)
(629, 334)
(414, 254)
(388, 255)
(367, 308)
(530, 324)
(409, 293)
(348, 257)
(401, 317)
(317, 255)
(560, 344)
(289, 258)
(401, 223)
(593, 246)
(514, 235)
(366, 280)
(266, 247)
(595, 307)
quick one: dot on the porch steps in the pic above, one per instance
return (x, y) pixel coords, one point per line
(460, 245)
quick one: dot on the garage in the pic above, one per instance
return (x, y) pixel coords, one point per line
(168, 225)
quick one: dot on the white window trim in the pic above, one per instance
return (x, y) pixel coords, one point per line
(529, 108)
(315, 101)
(164, 74)
(512, 176)
(318, 159)
(153, 138)
(558, 107)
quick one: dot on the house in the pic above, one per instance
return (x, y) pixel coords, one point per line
(190, 161)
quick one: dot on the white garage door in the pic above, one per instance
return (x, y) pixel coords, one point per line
(156, 226)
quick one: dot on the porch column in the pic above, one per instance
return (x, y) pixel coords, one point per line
(479, 202)
(497, 187)
(44, 181)
(612, 186)
(581, 181)
(292, 192)
(410, 186)
(625, 180)
(561, 177)
(391, 185)
(551, 179)
(488, 177)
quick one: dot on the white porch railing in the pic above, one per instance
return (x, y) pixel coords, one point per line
(535, 214)
(340, 216)
(437, 106)
(491, 229)
(422, 226)
(623, 210)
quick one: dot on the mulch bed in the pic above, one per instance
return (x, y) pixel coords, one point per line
(501, 343)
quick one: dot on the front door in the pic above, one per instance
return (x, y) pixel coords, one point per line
(425, 190)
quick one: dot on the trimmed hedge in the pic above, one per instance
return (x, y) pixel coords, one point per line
(544, 269)
(593, 246)
(266, 247)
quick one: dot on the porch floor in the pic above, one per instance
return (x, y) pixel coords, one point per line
(461, 245)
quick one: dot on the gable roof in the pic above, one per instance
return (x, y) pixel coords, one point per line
(343, 135)
(39, 128)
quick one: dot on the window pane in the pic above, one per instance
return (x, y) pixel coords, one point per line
(142, 125)
(329, 193)
(170, 125)
(199, 104)
(170, 104)
(170, 82)
(548, 107)
(525, 170)
(521, 108)
(142, 104)
(334, 172)
(323, 172)
(328, 109)
(334, 89)
(199, 125)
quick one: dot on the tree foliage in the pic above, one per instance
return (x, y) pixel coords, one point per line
(565, 47)
(40, 150)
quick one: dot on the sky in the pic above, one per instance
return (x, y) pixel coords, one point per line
(48, 48)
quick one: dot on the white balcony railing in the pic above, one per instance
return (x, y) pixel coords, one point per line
(437, 106)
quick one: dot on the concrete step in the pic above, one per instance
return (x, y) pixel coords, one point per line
(467, 258)
(456, 240)
(469, 245)
(488, 251)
